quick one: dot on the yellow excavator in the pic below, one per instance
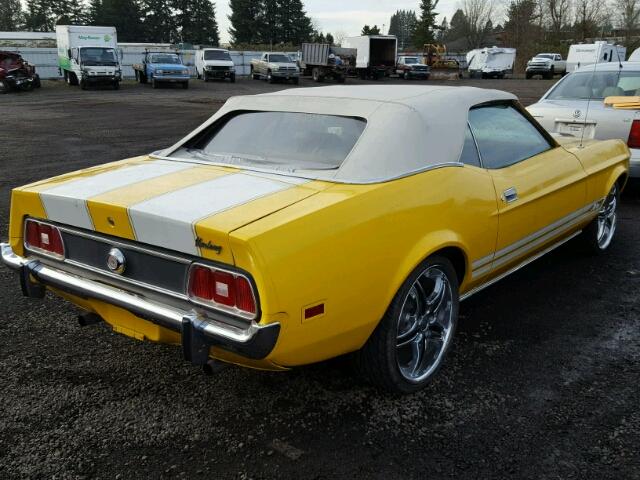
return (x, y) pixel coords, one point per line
(434, 55)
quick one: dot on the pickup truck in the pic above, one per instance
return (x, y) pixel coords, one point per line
(547, 65)
(162, 67)
(273, 67)
(409, 67)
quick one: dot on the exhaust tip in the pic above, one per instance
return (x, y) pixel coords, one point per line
(88, 318)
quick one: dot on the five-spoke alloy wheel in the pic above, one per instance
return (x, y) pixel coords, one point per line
(599, 234)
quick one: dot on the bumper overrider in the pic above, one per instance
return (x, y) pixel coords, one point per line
(198, 333)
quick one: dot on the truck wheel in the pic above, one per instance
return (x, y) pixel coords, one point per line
(315, 73)
(270, 78)
(185, 85)
(198, 76)
(83, 84)
(296, 81)
(36, 81)
(528, 75)
(411, 341)
(154, 84)
(551, 73)
(116, 85)
(341, 79)
(4, 87)
(232, 78)
(407, 76)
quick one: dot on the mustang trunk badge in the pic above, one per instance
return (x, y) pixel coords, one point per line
(200, 243)
(116, 261)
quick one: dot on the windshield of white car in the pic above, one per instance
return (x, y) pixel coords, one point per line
(597, 85)
(410, 60)
(98, 56)
(286, 141)
(216, 55)
(166, 58)
(545, 55)
(279, 59)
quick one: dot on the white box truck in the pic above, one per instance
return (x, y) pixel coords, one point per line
(582, 54)
(376, 54)
(88, 55)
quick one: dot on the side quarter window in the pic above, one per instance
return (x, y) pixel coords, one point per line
(469, 155)
(505, 136)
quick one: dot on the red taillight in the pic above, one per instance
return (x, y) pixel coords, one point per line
(634, 135)
(43, 237)
(221, 288)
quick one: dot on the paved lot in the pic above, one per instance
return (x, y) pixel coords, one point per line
(542, 381)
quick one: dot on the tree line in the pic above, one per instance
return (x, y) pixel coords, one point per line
(253, 22)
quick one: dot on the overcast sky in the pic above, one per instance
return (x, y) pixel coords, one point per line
(348, 16)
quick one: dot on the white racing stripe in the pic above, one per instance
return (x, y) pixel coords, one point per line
(168, 220)
(67, 203)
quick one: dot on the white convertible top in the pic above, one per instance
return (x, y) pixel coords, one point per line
(409, 128)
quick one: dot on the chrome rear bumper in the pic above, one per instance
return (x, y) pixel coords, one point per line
(198, 332)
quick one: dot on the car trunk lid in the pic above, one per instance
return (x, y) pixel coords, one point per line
(179, 206)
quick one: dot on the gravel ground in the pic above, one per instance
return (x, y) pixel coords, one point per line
(542, 381)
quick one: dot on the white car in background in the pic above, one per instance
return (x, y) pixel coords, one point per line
(575, 106)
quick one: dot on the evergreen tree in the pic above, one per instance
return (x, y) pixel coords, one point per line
(402, 25)
(269, 22)
(11, 18)
(295, 25)
(125, 15)
(244, 19)
(39, 17)
(457, 26)
(330, 39)
(158, 21)
(67, 12)
(367, 30)
(196, 20)
(425, 30)
(443, 29)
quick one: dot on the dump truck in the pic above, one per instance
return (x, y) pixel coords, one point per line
(376, 55)
(89, 55)
(322, 60)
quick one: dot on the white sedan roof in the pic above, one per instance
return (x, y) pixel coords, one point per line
(409, 128)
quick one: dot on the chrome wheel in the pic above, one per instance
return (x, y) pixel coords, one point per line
(607, 219)
(425, 325)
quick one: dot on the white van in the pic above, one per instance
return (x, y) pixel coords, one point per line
(215, 63)
(589, 53)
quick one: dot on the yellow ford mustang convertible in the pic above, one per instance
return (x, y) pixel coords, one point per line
(297, 226)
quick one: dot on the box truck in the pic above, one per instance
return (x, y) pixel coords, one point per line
(88, 55)
(582, 54)
(376, 54)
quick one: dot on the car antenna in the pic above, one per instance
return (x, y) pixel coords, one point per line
(586, 115)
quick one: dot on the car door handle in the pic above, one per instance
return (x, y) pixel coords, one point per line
(510, 195)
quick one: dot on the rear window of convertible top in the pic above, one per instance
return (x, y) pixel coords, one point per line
(286, 141)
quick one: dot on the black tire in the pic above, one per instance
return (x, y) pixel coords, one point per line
(154, 84)
(185, 85)
(378, 361)
(341, 79)
(594, 240)
(4, 87)
(270, 78)
(315, 74)
(551, 73)
(528, 76)
(407, 76)
(83, 84)
(116, 85)
(296, 81)
(232, 78)
(36, 81)
(198, 76)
